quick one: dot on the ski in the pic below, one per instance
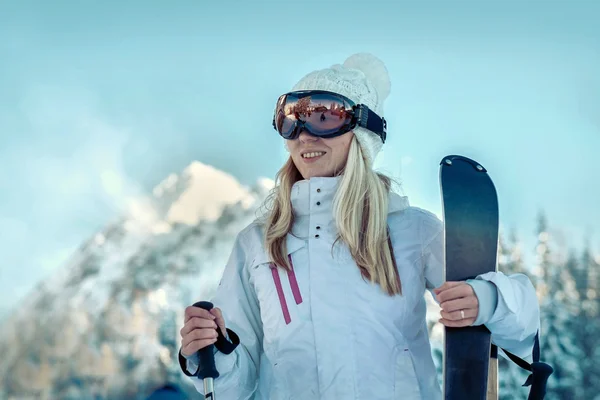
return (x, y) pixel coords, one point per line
(471, 223)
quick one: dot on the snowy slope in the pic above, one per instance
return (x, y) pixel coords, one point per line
(107, 324)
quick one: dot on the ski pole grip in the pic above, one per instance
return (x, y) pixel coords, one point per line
(206, 356)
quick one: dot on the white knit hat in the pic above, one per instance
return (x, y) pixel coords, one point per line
(364, 79)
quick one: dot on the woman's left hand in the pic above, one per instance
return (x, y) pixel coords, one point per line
(459, 304)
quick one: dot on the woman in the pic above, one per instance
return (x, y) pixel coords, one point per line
(326, 292)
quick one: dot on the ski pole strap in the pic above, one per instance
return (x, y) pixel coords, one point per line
(227, 346)
(540, 371)
(222, 344)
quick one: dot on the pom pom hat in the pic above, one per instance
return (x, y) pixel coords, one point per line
(364, 79)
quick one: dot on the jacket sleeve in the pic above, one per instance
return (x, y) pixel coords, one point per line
(238, 371)
(508, 304)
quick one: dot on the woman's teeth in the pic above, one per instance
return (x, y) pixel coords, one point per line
(312, 155)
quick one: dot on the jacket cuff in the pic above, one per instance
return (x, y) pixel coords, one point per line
(487, 295)
(193, 358)
(190, 364)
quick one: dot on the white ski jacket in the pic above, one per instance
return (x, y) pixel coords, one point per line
(323, 332)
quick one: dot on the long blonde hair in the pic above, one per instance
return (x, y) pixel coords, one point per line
(360, 208)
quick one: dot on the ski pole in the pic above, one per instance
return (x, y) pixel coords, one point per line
(207, 371)
(492, 388)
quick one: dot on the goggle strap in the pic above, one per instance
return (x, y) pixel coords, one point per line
(366, 118)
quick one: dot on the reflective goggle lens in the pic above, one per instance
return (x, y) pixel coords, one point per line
(321, 114)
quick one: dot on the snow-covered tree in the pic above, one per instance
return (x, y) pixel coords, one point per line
(555, 288)
(511, 377)
(584, 271)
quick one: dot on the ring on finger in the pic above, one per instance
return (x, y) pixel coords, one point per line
(462, 314)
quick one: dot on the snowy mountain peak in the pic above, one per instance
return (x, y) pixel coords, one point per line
(201, 193)
(208, 191)
(200, 169)
(265, 184)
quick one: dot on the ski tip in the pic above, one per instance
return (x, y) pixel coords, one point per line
(451, 159)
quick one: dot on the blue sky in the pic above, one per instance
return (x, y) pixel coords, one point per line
(99, 101)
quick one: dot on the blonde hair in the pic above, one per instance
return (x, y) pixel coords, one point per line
(360, 209)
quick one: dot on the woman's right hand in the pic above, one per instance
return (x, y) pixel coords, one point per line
(200, 329)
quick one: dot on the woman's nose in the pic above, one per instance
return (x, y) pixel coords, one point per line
(306, 137)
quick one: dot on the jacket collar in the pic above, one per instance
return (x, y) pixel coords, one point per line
(313, 200)
(315, 196)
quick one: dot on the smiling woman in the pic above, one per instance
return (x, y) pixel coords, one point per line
(323, 297)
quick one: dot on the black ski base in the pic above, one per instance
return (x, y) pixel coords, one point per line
(471, 223)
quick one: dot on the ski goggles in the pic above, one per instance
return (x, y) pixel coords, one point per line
(323, 114)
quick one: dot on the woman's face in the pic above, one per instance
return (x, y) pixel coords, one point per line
(318, 157)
